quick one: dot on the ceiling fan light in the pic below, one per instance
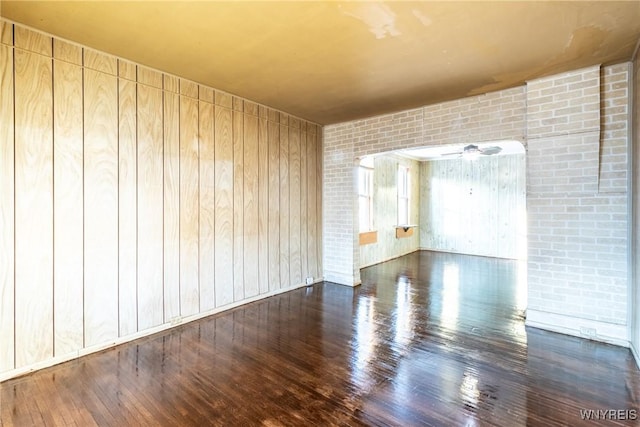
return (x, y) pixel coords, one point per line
(471, 152)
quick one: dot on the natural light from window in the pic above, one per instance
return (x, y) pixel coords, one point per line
(365, 194)
(403, 195)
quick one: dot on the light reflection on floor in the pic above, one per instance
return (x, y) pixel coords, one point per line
(449, 326)
(428, 339)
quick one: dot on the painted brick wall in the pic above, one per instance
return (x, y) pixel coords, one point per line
(339, 223)
(614, 130)
(454, 121)
(577, 222)
(491, 117)
(388, 132)
(574, 127)
(564, 104)
(635, 241)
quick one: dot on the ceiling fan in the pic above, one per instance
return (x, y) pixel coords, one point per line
(472, 151)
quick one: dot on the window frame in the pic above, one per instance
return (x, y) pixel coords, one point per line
(403, 186)
(365, 191)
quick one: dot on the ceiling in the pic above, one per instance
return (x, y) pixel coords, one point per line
(456, 151)
(332, 61)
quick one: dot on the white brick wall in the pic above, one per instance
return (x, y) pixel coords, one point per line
(339, 225)
(613, 145)
(563, 163)
(574, 126)
(494, 116)
(491, 117)
(634, 294)
(564, 104)
(577, 206)
(387, 132)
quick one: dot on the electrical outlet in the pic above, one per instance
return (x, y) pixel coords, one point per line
(176, 321)
(309, 280)
(588, 332)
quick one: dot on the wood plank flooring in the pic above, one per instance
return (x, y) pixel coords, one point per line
(428, 339)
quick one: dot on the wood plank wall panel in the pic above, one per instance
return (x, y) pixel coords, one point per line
(223, 99)
(153, 199)
(207, 95)
(304, 172)
(207, 205)
(150, 207)
(6, 34)
(32, 41)
(189, 210)
(479, 206)
(251, 108)
(149, 77)
(274, 206)
(33, 207)
(251, 219)
(456, 221)
(472, 222)
(100, 207)
(506, 179)
(171, 202)
(127, 208)
(224, 206)
(284, 206)
(67, 52)
(295, 266)
(312, 213)
(319, 169)
(512, 195)
(520, 215)
(7, 210)
(100, 62)
(171, 84)
(493, 200)
(189, 89)
(68, 210)
(238, 205)
(385, 210)
(428, 192)
(263, 202)
(127, 70)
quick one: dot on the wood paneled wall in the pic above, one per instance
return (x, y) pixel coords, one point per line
(474, 207)
(131, 199)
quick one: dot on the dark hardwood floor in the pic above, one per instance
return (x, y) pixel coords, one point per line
(428, 339)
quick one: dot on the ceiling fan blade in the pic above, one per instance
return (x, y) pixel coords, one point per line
(454, 153)
(491, 150)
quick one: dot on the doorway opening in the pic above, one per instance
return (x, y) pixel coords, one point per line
(465, 199)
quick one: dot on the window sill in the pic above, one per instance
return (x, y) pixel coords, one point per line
(404, 230)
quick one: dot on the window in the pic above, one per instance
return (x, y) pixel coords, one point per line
(403, 195)
(365, 195)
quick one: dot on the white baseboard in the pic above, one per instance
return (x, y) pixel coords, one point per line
(451, 251)
(147, 332)
(390, 258)
(636, 354)
(583, 328)
(340, 278)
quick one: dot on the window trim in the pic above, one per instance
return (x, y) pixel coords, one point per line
(368, 195)
(403, 188)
